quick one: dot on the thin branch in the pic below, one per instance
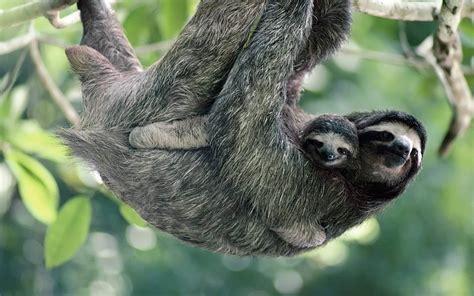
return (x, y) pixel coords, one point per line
(384, 57)
(25, 40)
(51, 40)
(56, 94)
(16, 43)
(30, 11)
(406, 10)
(60, 23)
(12, 75)
(408, 51)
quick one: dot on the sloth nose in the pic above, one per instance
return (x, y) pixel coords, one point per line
(402, 148)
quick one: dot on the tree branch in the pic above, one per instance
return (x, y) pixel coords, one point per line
(60, 23)
(56, 94)
(30, 11)
(407, 11)
(444, 52)
(447, 49)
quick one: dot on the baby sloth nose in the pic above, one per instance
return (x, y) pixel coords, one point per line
(327, 154)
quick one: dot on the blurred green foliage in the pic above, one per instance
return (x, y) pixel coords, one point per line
(421, 245)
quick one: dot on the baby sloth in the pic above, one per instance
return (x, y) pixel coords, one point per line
(329, 141)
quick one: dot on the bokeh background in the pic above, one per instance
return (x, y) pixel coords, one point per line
(422, 244)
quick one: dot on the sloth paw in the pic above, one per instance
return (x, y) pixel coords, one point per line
(303, 236)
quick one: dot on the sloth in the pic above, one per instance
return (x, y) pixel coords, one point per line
(330, 141)
(251, 182)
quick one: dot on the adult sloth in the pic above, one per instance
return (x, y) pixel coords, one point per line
(234, 196)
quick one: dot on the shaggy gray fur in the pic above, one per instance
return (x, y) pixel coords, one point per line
(189, 133)
(234, 196)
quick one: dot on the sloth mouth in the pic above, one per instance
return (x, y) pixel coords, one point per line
(394, 158)
(332, 163)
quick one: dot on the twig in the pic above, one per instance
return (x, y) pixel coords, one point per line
(30, 11)
(406, 10)
(56, 94)
(60, 23)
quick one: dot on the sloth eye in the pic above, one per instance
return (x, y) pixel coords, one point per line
(386, 136)
(414, 153)
(343, 151)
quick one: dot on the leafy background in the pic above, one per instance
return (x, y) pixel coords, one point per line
(53, 213)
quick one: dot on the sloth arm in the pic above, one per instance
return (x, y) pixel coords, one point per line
(250, 103)
(186, 134)
(247, 139)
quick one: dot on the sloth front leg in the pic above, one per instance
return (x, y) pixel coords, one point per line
(186, 134)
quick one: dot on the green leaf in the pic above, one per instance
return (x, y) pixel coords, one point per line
(38, 189)
(172, 16)
(69, 232)
(132, 216)
(30, 137)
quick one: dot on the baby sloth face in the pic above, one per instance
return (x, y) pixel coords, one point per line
(331, 141)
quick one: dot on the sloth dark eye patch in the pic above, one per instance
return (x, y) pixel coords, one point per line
(376, 136)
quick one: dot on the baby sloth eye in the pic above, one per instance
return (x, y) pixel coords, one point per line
(386, 136)
(414, 153)
(316, 143)
(343, 151)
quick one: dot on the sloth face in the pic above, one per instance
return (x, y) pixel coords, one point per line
(330, 150)
(330, 141)
(390, 152)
